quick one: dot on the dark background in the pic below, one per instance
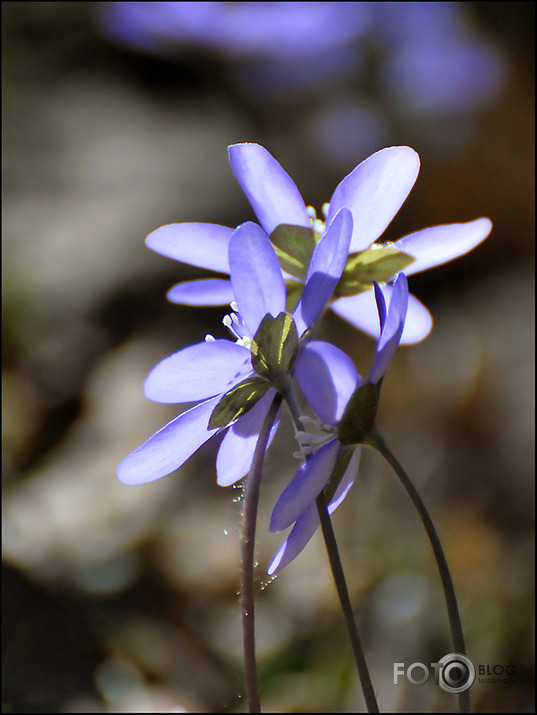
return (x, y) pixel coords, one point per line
(124, 599)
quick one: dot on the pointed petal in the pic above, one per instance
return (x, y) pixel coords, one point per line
(307, 523)
(347, 480)
(375, 191)
(256, 275)
(327, 377)
(440, 244)
(270, 190)
(198, 371)
(198, 244)
(361, 311)
(381, 304)
(236, 451)
(325, 269)
(305, 486)
(210, 291)
(304, 528)
(392, 330)
(170, 447)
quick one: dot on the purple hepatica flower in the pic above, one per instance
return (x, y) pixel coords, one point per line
(329, 381)
(373, 192)
(207, 371)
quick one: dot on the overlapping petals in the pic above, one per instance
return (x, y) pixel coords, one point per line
(372, 194)
(307, 523)
(208, 370)
(324, 271)
(328, 380)
(256, 276)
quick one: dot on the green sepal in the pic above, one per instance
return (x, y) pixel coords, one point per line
(238, 401)
(379, 263)
(358, 420)
(275, 346)
(294, 246)
(293, 291)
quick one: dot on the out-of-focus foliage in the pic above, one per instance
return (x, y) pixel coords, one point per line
(125, 598)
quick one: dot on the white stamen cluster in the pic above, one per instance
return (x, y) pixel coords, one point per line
(316, 223)
(309, 439)
(235, 324)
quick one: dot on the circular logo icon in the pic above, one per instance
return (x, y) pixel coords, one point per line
(457, 673)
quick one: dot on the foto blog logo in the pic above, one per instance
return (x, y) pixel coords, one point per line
(454, 673)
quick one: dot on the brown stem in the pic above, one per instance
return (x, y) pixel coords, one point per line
(251, 499)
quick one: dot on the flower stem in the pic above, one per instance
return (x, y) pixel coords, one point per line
(345, 602)
(457, 634)
(337, 573)
(251, 500)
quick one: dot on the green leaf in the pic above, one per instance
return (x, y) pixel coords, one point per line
(378, 263)
(359, 417)
(294, 246)
(275, 346)
(238, 401)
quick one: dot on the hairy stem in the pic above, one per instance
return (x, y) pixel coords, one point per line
(251, 500)
(457, 634)
(345, 602)
(338, 574)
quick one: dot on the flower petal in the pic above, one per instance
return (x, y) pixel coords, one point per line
(327, 377)
(305, 486)
(391, 330)
(361, 311)
(375, 191)
(307, 523)
(304, 528)
(347, 480)
(440, 244)
(198, 371)
(325, 269)
(170, 447)
(198, 244)
(256, 275)
(236, 451)
(270, 190)
(210, 291)
(381, 305)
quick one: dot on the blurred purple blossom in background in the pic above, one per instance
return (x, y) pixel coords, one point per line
(366, 71)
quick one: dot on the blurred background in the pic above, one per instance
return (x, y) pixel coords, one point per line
(117, 118)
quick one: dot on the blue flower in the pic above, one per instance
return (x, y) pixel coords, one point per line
(373, 192)
(208, 370)
(329, 380)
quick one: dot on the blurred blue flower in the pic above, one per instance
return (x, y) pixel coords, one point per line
(373, 192)
(394, 67)
(289, 43)
(328, 379)
(207, 371)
